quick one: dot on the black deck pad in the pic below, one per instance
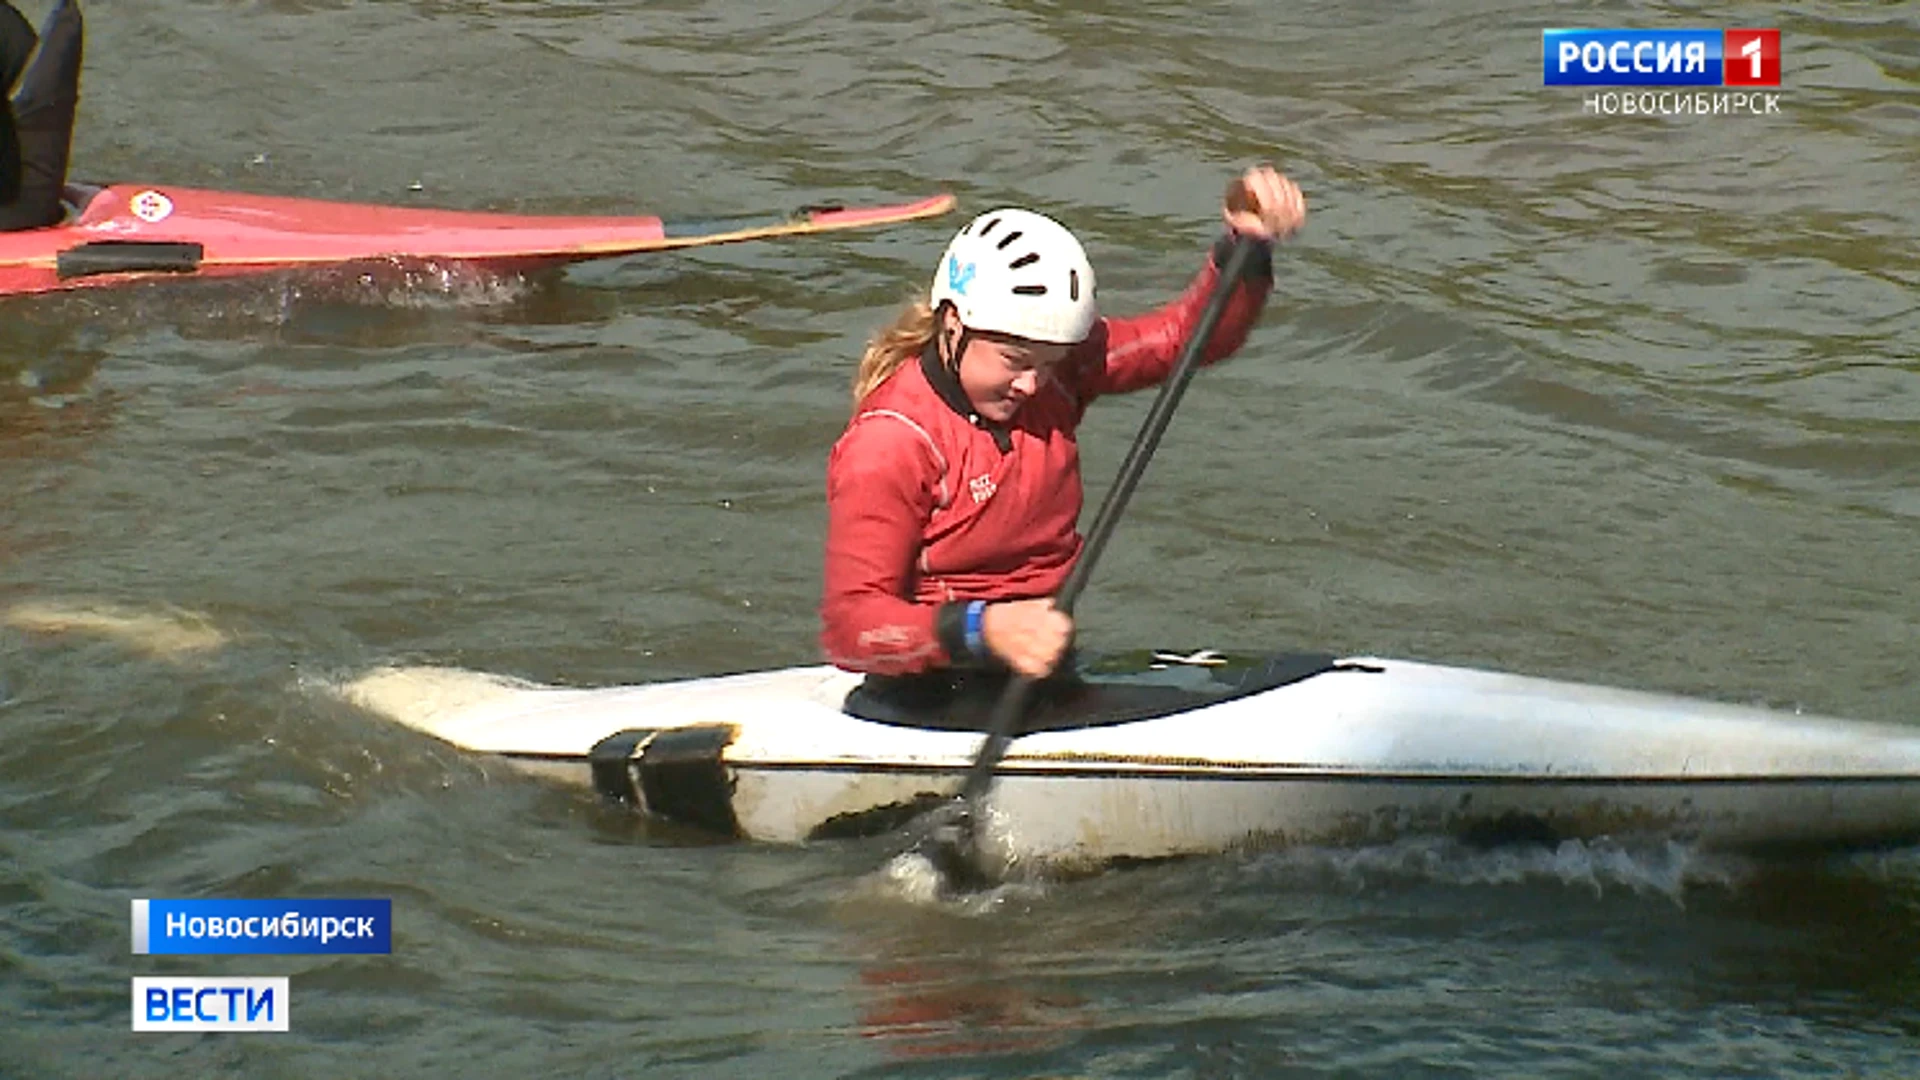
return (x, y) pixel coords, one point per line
(1117, 689)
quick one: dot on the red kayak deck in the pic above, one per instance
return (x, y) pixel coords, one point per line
(128, 233)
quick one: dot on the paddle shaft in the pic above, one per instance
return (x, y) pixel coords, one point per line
(1013, 701)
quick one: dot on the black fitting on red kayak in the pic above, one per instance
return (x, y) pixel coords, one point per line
(128, 256)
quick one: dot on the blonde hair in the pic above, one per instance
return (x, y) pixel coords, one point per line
(900, 342)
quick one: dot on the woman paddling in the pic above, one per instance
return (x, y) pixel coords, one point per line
(954, 494)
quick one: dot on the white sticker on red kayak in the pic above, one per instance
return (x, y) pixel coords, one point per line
(150, 206)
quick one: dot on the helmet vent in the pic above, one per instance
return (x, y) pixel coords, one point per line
(1030, 290)
(989, 227)
(1073, 284)
(1025, 260)
(1008, 239)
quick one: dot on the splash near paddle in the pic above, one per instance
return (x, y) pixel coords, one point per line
(127, 233)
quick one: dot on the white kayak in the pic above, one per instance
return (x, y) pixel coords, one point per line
(1223, 755)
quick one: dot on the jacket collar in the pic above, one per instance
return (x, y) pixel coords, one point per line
(946, 384)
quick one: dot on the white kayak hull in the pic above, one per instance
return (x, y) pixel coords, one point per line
(1373, 751)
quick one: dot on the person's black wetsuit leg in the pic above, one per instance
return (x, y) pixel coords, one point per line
(9, 157)
(17, 40)
(43, 115)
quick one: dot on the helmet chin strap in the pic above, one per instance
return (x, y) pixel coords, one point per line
(950, 347)
(954, 349)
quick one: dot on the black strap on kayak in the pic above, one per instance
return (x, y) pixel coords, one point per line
(675, 774)
(128, 256)
(611, 760)
(684, 779)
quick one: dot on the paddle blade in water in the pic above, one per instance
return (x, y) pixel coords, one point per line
(950, 842)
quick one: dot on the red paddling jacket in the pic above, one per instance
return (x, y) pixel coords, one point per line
(930, 506)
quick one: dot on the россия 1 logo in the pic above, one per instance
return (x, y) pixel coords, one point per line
(1700, 59)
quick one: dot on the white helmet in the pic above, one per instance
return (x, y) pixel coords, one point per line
(1021, 273)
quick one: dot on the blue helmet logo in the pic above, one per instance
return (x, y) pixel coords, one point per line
(958, 277)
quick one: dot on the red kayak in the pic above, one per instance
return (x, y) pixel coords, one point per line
(125, 233)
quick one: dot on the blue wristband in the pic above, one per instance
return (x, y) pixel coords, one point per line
(976, 615)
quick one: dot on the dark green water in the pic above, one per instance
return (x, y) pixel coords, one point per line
(1624, 399)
